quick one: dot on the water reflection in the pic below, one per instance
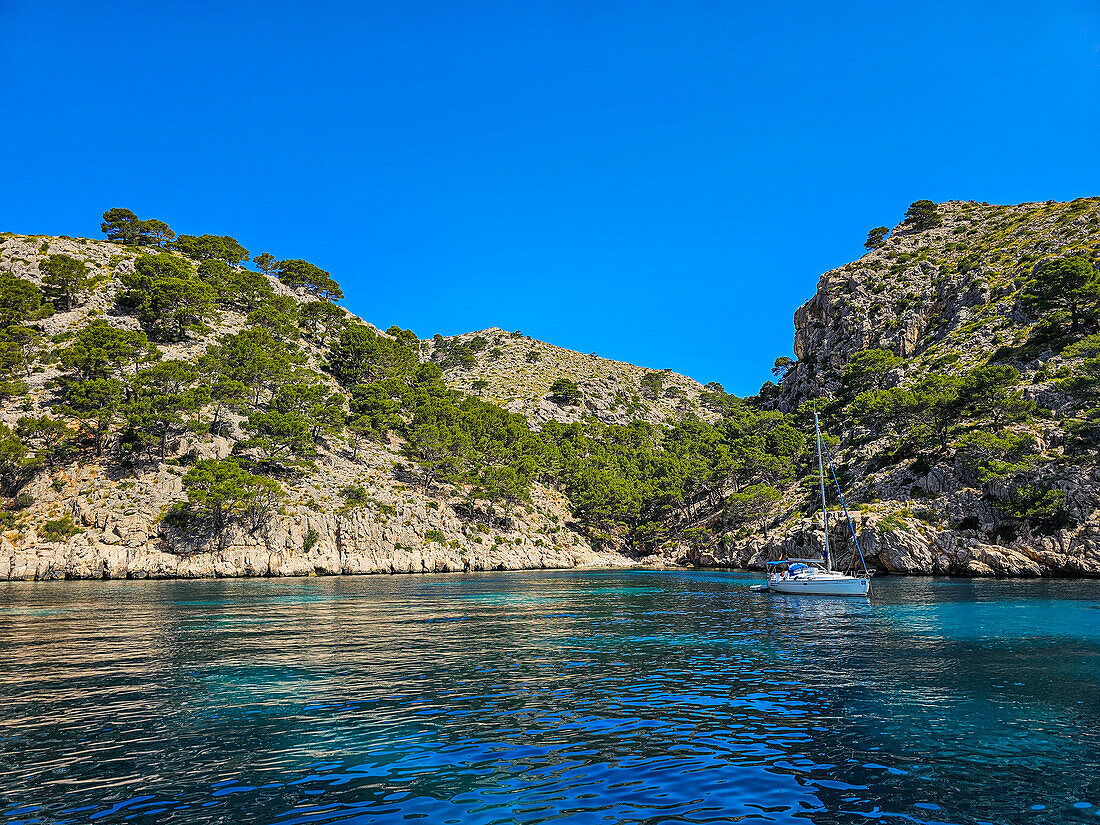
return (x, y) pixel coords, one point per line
(626, 696)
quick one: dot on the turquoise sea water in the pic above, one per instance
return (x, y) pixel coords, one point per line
(588, 697)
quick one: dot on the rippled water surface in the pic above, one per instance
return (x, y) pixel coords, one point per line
(627, 696)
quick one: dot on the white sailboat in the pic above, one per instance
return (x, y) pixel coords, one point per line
(813, 577)
(816, 576)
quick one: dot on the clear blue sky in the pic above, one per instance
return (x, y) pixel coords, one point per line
(659, 182)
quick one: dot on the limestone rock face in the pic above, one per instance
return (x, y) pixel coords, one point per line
(304, 543)
(908, 547)
(945, 294)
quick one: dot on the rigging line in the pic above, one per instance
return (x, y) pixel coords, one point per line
(836, 481)
(821, 476)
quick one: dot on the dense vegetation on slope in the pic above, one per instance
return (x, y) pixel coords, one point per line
(301, 375)
(957, 364)
(961, 354)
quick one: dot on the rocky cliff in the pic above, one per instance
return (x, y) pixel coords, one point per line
(943, 297)
(1008, 487)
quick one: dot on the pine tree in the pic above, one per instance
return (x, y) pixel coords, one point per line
(1070, 285)
(922, 215)
(876, 237)
(65, 280)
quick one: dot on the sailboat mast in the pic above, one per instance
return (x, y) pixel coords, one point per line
(821, 477)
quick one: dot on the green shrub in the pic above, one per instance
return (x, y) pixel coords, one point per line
(354, 496)
(996, 456)
(436, 536)
(928, 516)
(565, 392)
(58, 529)
(309, 541)
(1043, 507)
(652, 384)
(893, 521)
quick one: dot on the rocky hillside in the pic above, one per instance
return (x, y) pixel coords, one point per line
(943, 298)
(518, 373)
(948, 363)
(170, 408)
(345, 505)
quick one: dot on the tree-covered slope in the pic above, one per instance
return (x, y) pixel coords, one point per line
(171, 408)
(171, 414)
(956, 362)
(175, 406)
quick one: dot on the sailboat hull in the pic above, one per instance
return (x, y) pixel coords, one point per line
(832, 586)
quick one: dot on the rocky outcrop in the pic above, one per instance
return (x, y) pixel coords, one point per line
(909, 547)
(946, 295)
(325, 545)
(516, 372)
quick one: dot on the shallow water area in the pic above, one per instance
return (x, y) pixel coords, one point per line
(554, 696)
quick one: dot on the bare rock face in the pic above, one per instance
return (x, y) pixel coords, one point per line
(305, 543)
(906, 547)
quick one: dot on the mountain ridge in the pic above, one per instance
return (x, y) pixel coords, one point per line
(520, 378)
(539, 456)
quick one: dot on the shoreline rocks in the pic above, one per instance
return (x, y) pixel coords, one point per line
(273, 555)
(906, 552)
(911, 548)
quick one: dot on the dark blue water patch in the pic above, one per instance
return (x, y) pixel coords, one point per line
(620, 696)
